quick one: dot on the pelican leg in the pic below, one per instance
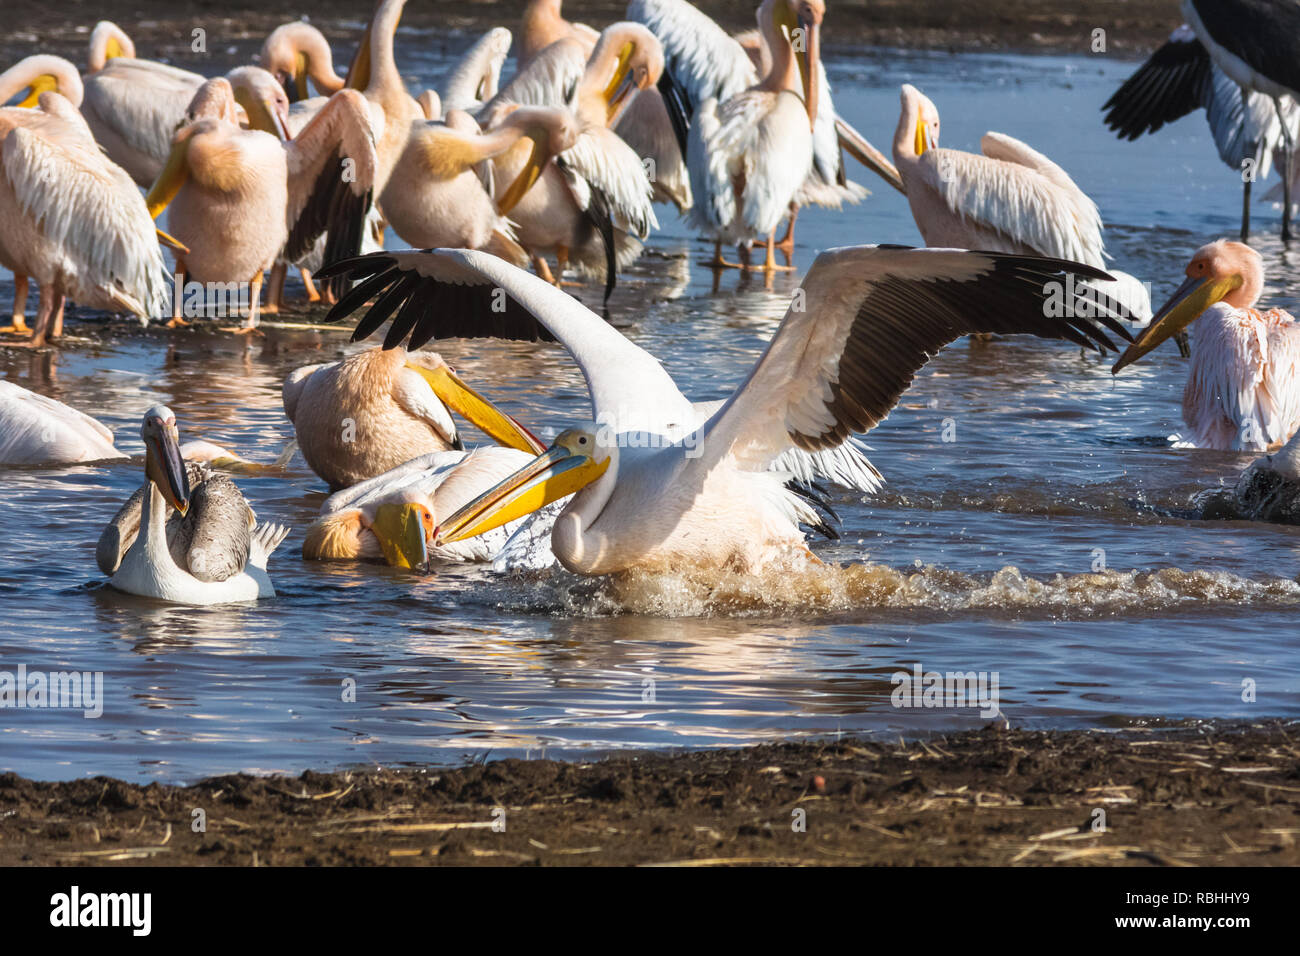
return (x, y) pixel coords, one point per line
(786, 242)
(717, 262)
(178, 296)
(50, 303)
(543, 269)
(1245, 210)
(312, 294)
(769, 261)
(275, 289)
(561, 265)
(1288, 152)
(56, 324)
(19, 324)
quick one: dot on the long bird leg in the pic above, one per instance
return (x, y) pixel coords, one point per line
(717, 262)
(56, 324)
(562, 264)
(275, 288)
(178, 296)
(312, 294)
(786, 242)
(769, 263)
(1246, 180)
(254, 308)
(543, 269)
(19, 324)
(51, 302)
(1288, 151)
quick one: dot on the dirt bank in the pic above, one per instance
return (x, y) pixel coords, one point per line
(1225, 796)
(163, 27)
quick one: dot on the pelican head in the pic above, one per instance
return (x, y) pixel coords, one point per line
(263, 99)
(577, 458)
(403, 530)
(552, 130)
(632, 58)
(39, 74)
(801, 20)
(295, 51)
(921, 114)
(464, 401)
(163, 464)
(108, 42)
(1222, 271)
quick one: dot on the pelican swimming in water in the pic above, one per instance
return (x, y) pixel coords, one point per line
(241, 198)
(1243, 383)
(69, 217)
(750, 154)
(37, 430)
(392, 516)
(188, 536)
(436, 196)
(1010, 199)
(661, 482)
(377, 409)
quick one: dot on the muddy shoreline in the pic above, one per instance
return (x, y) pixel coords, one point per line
(1210, 796)
(163, 29)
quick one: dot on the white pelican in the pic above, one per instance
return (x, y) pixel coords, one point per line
(658, 481)
(1179, 78)
(1243, 384)
(705, 62)
(392, 516)
(435, 196)
(36, 430)
(594, 205)
(750, 155)
(477, 76)
(240, 198)
(297, 52)
(208, 550)
(73, 220)
(1010, 199)
(374, 410)
(543, 24)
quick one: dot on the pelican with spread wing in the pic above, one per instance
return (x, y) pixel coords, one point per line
(239, 199)
(188, 536)
(658, 481)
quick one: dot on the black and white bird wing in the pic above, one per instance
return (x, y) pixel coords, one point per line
(1174, 81)
(331, 167)
(443, 293)
(1252, 40)
(866, 319)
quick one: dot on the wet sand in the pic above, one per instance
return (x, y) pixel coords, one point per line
(163, 29)
(1226, 796)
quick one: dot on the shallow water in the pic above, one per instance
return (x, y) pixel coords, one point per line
(983, 553)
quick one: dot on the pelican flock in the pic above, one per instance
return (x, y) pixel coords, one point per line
(525, 182)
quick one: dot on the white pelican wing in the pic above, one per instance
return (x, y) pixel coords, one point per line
(704, 60)
(331, 178)
(443, 293)
(868, 318)
(1019, 193)
(550, 79)
(37, 430)
(92, 211)
(609, 165)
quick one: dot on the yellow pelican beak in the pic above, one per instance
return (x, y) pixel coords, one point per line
(537, 161)
(171, 242)
(553, 475)
(358, 77)
(856, 145)
(262, 114)
(403, 531)
(921, 139)
(299, 86)
(620, 85)
(809, 60)
(165, 468)
(113, 49)
(1192, 298)
(42, 84)
(169, 182)
(477, 410)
